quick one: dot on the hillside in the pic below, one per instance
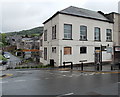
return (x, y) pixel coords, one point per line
(34, 31)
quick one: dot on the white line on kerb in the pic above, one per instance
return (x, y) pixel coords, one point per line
(65, 95)
(69, 94)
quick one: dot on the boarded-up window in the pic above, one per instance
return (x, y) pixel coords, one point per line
(67, 50)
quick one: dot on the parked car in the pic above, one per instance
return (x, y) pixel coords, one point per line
(115, 66)
(7, 56)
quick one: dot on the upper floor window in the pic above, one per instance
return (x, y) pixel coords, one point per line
(108, 35)
(83, 50)
(83, 33)
(97, 34)
(54, 32)
(45, 35)
(67, 31)
(67, 50)
(41, 42)
(53, 49)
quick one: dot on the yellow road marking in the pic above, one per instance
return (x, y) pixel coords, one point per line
(6, 75)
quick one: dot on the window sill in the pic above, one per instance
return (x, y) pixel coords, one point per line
(83, 53)
(97, 40)
(83, 40)
(54, 39)
(68, 54)
(109, 41)
(66, 39)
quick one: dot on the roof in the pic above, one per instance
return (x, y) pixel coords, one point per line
(80, 12)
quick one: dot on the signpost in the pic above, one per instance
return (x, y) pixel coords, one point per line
(117, 48)
(109, 49)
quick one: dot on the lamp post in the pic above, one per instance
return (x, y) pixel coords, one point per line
(101, 57)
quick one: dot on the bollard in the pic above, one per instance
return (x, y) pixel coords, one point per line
(82, 66)
(101, 66)
(97, 67)
(119, 65)
(64, 64)
(111, 67)
(71, 65)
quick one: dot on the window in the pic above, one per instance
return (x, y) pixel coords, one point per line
(53, 49)
(45, 53)
(97, 48)
(41, 54)
(41, 42)
(108, 35)
(83, 50)
(54, 32)
(97, 34)
(67, 31)
(45, 35)
(67, 50)
(83, 33)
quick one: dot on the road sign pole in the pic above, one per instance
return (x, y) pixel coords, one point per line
(101, 59)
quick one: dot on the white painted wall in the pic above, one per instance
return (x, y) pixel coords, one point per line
(75, 57)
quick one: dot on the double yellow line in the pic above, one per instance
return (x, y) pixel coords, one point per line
(6, 75)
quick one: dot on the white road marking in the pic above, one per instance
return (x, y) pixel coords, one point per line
(63, 75)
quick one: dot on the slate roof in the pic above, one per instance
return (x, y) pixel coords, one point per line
(80, 12)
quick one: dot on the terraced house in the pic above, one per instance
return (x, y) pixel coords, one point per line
(74, 34)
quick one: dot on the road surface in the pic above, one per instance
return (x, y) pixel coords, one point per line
(59, 83)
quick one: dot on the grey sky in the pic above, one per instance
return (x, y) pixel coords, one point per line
(26, 14)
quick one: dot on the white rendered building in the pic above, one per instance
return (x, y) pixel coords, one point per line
(73, 34)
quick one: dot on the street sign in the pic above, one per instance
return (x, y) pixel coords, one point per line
(117, 48)
(109, 49)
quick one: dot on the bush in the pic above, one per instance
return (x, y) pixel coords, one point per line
(17, 67)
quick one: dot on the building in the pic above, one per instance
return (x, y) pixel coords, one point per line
(115, 17)
(75, 34)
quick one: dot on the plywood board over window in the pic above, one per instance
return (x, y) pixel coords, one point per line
(67, 50)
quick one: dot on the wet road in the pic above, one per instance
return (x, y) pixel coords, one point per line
(61, 83)
(13, 60)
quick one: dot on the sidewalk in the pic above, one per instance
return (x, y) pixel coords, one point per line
(93, 68)
(105, 68)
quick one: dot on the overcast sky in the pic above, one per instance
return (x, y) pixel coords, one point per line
(19, 15)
